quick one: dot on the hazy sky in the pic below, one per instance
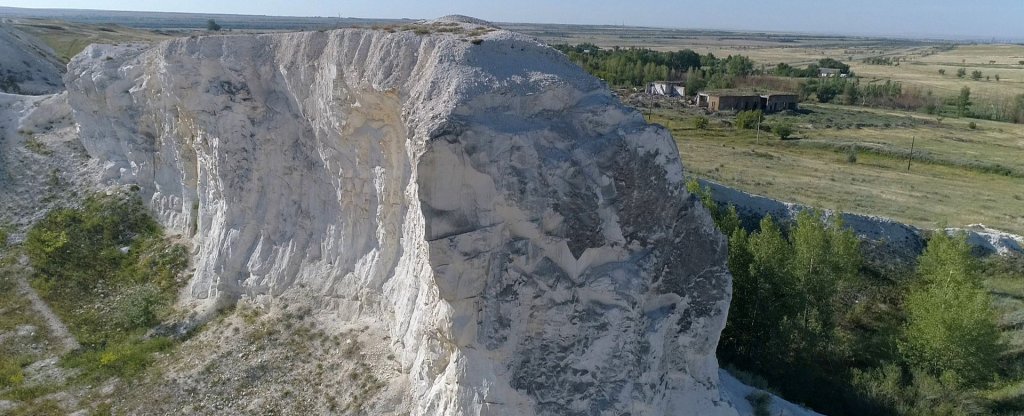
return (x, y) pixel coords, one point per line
(1001, 19)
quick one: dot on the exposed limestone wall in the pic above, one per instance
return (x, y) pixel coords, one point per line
(524, 239)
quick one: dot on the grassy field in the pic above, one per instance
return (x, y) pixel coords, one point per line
(68, 39)
(918, 68)
(956, 179)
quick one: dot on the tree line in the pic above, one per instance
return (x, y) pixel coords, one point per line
(636, 67)
(825, 327)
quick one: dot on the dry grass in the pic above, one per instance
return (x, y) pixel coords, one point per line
(962, 185)
(920, 61)
(815, 171)
(68, 39)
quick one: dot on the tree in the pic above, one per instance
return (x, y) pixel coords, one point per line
(997, 77)
(783, 130)
(212, 25)
(1017, 113)
(963, 102)
(825, 255)
(951, 328)
(942, 71)
(851, 94)
(832, 63)
(961, 72)
(749, 119)
(738, 65)
(827, 91)
(700, 123)
(975, 75)
(695, 81)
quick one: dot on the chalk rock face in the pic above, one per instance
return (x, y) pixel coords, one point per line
(526, 240)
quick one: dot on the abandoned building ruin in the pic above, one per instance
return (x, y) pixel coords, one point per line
(742, 101)
(666, 88)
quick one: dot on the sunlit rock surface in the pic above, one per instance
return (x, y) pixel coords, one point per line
(524, 239)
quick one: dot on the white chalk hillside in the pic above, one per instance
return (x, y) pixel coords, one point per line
(522, 242)
(27, 66)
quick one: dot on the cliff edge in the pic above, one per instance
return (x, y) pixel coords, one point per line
(523, 241)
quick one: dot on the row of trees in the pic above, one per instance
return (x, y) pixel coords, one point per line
(812, 70)
(975, 75)
(638, 66)
(828, 329)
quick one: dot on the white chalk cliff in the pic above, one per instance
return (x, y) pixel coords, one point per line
(525, 239)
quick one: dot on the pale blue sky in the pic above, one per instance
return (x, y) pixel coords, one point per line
(982, 19)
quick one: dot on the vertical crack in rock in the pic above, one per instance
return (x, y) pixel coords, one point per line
(524, 239)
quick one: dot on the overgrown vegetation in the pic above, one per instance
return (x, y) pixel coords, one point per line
(111, 276)
(638, 66)
(847, 337)
(749, 119)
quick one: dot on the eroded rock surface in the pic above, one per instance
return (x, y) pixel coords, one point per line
(522, 240)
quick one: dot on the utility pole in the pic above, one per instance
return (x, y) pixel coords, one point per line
(912, 140)
(758, 140)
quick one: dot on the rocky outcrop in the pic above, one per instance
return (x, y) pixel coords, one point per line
(524, 240)
(27, 66)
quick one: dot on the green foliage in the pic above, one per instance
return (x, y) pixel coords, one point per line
(727, 221)
(108, 272)
(832, 63)
(749, 119)
(972, 125)
(638, 66)
(126, 357)
(632, 66)
(851, 93)
(783, 130)
(851, 155)
(961, 72)
(812, 70)
(951, 329)
(73, 247)
(825, 255)
(881, 60)
(1017, 112)
(212, 25)
(942, 71)
(963, 103)
(761, 402)
(975, 75)
(914, 393)
(792, 321)
(701, 122)
(11, 374)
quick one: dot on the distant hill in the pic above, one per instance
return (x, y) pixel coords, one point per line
(165, 20)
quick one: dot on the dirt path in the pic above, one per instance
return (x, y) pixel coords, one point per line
(57, 328)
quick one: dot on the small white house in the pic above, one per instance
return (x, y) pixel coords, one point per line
(829, 72)
(666, 88)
